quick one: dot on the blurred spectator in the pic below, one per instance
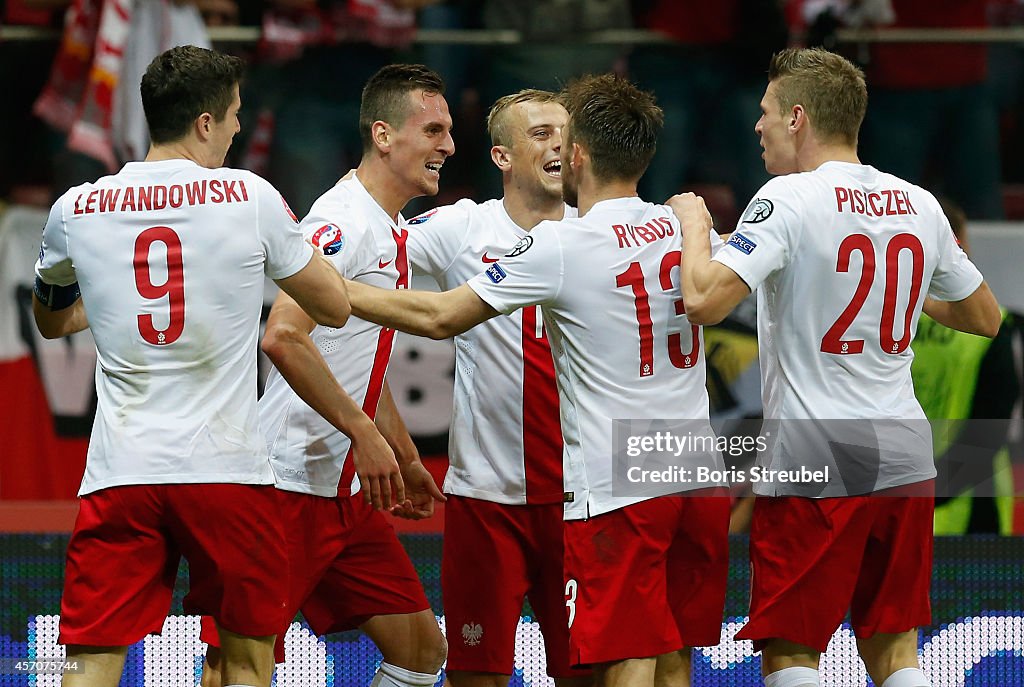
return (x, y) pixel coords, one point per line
(107, 44)
(554, 49)
(961, 377)
(709, 81)
(307, 90)
(23, 68)
(933, 118)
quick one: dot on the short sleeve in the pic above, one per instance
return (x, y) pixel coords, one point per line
(54, 265)
(717, 243)
(530, 274)
(337, 231)
(286, 252)
(437, 237)
(765, 236)
(955, 276)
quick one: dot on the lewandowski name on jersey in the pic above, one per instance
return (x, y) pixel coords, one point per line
(158, 197)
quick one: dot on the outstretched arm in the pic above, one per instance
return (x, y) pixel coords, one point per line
(424, 313)
(292, 351)
(320, 290)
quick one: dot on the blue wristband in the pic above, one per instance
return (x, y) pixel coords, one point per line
(56, 297)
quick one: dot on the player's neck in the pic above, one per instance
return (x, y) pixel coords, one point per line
(383, 187)
(590, 194)
(816, 156)
(528, 212)
(178, 150)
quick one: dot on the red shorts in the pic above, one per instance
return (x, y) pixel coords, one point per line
(813, 559)
(647, 579)
(347, 563)
(495, 554)
(124, 553)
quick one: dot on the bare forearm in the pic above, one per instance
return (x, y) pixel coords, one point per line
(391, 426)
(423, 313)
(415, 312)
(300, 363)
(694, 277)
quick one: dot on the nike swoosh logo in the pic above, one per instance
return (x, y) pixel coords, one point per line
(487, 259)
(383, 264)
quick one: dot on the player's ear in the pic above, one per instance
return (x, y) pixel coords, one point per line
(797, 118)
(381, 135)
(204, 126)
(577, 155)
(501, 158)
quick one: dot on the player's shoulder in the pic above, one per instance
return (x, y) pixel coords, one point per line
(555, 231)
(458, 213)
(919, 194)
(339, 203)
(250, 178)
(336, 219)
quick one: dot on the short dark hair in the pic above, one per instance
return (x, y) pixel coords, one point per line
(385, 96)
(830, 88)
(617, 123)
(183, 83)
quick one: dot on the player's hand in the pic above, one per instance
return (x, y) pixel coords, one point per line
(377, 468)
(422, 492)
(691, 211)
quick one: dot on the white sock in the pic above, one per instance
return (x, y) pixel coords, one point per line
(794, 677)
(907, 677)
(389, 675)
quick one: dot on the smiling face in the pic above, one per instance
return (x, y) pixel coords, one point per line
(534, 152)
(419, 147)
(774, 130)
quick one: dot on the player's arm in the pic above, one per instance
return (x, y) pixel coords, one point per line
(420, 487)
(977, 314)
(58, 310)
(292, 351)
(710, 289)
(320, 291)
(56, 299)
(424, 313)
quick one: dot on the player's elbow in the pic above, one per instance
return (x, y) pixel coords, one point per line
(49, 330)
(279, 339)
(335, 315)
(51, 326)
(705, 312)
(992, 321)
(442, 325)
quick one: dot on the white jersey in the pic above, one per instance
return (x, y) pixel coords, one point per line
(504, 444)
(171, 258)
(307, 453)
(623, 349)
(842, 259)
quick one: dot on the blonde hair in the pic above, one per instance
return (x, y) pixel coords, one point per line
(830, 88)
(497, 120)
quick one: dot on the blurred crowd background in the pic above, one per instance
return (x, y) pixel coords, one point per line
(947, 115)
